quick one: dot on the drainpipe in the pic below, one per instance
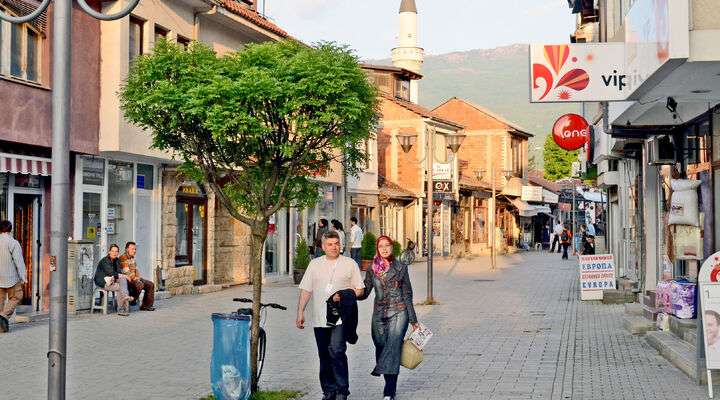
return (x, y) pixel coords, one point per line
(196, 20)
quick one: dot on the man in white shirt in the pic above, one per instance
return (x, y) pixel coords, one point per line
(324, 277)
(356, 238)
(12, 274)
(557, 231)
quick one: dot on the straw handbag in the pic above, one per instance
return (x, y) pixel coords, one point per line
(411, 356)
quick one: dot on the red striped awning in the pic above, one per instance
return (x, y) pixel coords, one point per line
(20, 164)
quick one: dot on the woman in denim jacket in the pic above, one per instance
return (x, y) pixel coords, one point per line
(392, 312)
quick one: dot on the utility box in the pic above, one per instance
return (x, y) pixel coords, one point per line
(80, 275)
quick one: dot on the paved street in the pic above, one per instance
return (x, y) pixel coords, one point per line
(518, 333)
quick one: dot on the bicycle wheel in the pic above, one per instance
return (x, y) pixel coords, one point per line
(262, 346)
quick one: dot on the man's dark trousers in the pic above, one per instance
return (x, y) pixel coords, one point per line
(565, 250)
(137, 286)
(355, 254)
(333, 360)
(556, 239)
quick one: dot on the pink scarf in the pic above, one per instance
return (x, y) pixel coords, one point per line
(380, 266)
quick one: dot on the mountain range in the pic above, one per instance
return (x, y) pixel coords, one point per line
(497, 79)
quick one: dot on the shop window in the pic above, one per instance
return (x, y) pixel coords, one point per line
(191, 237)
(145, 176)
(27, 181)
(93, 171)
(716, 134)
(135, 47)
(120, 203)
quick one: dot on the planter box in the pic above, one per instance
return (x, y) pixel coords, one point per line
(365, 265)
(298, 275)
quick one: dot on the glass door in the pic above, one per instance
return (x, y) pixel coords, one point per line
(191, 237)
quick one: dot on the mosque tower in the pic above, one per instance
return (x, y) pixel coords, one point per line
(407, 54)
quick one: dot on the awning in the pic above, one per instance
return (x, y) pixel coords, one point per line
(524, 209)
(596, 197)
(20, 164)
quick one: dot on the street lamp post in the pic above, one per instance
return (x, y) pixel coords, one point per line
(60, 188)
(492, 213)
(453, 143)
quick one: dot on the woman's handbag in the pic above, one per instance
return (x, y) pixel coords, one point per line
(411, 356)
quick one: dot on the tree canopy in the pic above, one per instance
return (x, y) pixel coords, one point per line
(557, 161)
(257, 124)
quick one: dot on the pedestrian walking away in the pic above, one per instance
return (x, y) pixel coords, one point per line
(565, 240)
(12, 275)
(136, 283)
(317, 242)
(108, 277)
(330, 277)
(392, 311)
(557, 231)
(337, 226)
(356, 237)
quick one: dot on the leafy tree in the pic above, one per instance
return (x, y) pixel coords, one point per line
(557, 162)
(255, 125)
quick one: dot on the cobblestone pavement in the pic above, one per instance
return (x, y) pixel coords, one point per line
(517, 333)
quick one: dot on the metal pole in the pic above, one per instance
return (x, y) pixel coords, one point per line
(572, 216)
(429, 133)
(493, 212)
(60, 190)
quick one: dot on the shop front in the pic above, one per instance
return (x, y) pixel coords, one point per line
(24, 195)
(116, 202)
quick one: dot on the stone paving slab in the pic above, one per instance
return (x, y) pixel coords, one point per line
(517, 333)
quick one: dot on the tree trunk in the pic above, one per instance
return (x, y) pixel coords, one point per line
(258, 232)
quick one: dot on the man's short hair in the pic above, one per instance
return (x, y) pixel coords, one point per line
(5, 226)
(114, 245)
(130, 243)
(353, 219)
(330, 235)
(713, 314)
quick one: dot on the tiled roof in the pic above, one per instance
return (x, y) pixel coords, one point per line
(516, 128)
(471, 182)
(393, 190)
(536, 178)
(238, 9)
(420, 110)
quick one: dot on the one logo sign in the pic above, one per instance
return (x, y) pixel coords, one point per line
(571, 132)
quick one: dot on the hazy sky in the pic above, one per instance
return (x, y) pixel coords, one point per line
(370, 26)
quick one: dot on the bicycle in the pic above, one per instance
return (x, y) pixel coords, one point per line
(262, 337)
(408, 255)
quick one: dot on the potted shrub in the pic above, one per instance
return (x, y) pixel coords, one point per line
(301, 261)
(397, 249)
(367, 251)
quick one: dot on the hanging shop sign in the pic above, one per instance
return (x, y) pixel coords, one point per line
(442, 171)
(532, 193)
(597, 273)
(710, 307)
(565, 207)
(443, 186)
(571, 132)
(550, 197)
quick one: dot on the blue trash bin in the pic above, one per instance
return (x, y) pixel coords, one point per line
(230, 364)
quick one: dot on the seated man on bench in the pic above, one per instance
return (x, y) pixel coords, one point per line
(136, 283)
(108, 277)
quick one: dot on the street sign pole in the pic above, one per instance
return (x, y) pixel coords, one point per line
(429, 133)
(60, 186)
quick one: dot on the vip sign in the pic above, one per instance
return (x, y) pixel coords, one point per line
(578, 72)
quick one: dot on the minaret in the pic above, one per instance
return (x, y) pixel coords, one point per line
(407, 54)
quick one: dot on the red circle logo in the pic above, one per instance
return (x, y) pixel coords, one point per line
(571, 132)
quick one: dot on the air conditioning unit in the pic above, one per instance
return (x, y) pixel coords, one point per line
(661, 150)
